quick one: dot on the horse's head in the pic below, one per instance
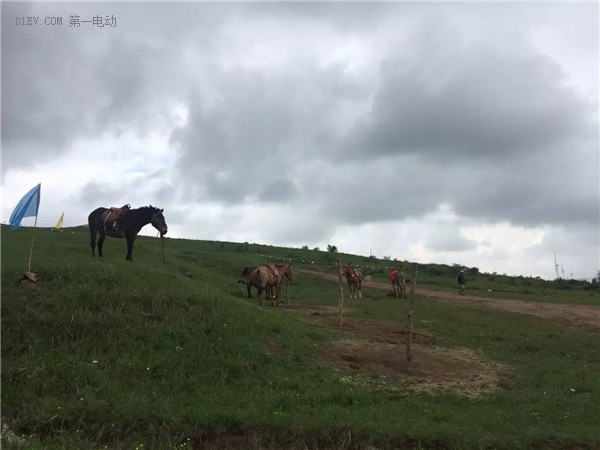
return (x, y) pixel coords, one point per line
(287, 272)
(350, 273)
(158, 221)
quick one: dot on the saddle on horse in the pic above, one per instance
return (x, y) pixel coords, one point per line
(274, 270)
(113, 215)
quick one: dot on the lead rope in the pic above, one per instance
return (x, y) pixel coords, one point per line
(162, 240)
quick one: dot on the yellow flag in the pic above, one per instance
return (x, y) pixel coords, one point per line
(60, 221)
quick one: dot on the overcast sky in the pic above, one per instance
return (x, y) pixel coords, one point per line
(460, 133)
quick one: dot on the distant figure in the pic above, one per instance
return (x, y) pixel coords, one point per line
(461, 282)
(246, 274)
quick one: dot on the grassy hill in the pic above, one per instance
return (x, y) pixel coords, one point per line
(105, 353)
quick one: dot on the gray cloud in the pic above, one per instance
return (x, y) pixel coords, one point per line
(447, 238)
(476, 103)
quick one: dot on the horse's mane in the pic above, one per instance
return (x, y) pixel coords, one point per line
(147, 208)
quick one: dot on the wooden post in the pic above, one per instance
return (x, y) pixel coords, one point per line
(341, 287)
(411, 310)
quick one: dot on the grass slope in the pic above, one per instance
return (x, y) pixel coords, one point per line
(105, 352)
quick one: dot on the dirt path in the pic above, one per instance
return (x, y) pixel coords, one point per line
(582, 315)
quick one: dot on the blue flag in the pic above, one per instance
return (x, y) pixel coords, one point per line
(27, 207)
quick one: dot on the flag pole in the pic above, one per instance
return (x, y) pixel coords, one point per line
(32, 240)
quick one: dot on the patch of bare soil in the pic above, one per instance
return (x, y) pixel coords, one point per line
(585, 316)
(377, 356)
(375, 351)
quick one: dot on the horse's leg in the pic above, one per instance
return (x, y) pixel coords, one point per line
(277, 288)
(130, 241)
(260, 291)
(249, 286)
(93, 240)
(101, 242)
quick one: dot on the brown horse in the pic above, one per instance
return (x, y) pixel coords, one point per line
(397, 278)
(246, 275)
(354, 277)
(270, 275)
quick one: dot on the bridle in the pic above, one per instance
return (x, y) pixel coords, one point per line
(158, 226)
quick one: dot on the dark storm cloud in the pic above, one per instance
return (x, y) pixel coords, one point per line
(280, 191)
(60, 84)
(473, 103)
(258, 126)
(93, 192)
(504, 137)
(534, 190)
(35, 87)
(448, 239)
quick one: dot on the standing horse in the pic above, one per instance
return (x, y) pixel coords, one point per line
(397, 278)
(269, 276)
(354, 277)
(246, 275)
(128, 225)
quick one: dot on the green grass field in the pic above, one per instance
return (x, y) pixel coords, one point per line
(105, 353)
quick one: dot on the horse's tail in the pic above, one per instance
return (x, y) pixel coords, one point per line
(247, 271)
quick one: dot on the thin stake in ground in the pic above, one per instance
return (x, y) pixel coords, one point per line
(341, 288)
(411, 310)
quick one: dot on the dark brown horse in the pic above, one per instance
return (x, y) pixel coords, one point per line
(398, 283)
(127, 226)
(270, 275)
(354, 277)
(246, 275)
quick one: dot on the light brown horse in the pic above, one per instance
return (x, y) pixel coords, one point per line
(398, 283)
(354, 277)
(267, 276)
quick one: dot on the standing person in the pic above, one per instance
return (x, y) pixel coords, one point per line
(461, 282)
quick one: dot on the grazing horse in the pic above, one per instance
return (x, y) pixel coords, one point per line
(127, 226)
(397, 278)
(269, 276)
(354, 277)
